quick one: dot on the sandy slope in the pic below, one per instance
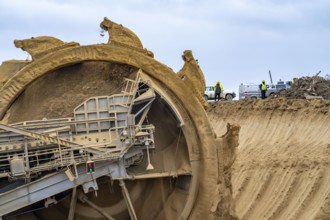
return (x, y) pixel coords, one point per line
(282, 170)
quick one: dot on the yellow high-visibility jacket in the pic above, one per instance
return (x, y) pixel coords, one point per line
(215, 85)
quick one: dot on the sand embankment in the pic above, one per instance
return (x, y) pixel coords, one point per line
(282, 170)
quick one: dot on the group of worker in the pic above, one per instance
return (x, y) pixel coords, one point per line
(218, 89)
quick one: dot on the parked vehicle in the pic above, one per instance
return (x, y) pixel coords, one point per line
(283, 85)
(252, 91)
(226, 94)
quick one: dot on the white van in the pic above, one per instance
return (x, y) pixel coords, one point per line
(252, 91)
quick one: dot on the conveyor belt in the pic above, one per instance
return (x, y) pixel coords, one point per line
(51, 185)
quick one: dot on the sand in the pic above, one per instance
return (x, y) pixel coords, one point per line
(282, 165)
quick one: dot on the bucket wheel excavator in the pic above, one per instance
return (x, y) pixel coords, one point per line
(105, 132)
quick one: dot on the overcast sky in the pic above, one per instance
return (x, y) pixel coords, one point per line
(235, 41)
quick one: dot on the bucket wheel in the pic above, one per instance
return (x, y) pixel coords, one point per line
(176, 180)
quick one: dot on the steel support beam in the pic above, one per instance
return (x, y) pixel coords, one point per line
(127, 200)
(84, 199)
(73, 204)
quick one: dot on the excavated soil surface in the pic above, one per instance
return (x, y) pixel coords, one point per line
(282, 170)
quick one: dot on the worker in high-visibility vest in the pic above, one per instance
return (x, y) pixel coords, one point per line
(263, 89)
(218, 89)
(294, 80)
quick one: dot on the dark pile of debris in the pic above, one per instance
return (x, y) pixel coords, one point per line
(315, 87)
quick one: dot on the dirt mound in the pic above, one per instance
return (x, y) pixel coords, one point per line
(308, 88)
(282, 165)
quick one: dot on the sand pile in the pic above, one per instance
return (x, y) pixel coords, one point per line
(282, 165)
(308, 88)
